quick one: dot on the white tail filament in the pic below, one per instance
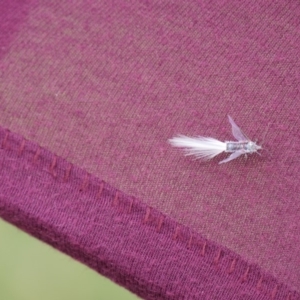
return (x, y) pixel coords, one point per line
(201, 147)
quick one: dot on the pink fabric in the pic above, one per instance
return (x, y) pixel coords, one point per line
(117, 235)
(104, 85)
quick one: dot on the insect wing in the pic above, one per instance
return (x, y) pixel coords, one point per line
(237, 132)
(234, 155)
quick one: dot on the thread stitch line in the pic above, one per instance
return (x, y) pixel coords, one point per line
(67, 173)
(160, 223)
(22, 146)
(52, 166)
(147, 215)
(115, 202)
(232, 266)
(4, 142)
(37, 154)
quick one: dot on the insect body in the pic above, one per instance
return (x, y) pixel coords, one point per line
(207, 148)
(248, 147)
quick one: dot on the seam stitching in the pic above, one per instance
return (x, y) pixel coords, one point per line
(152, 217)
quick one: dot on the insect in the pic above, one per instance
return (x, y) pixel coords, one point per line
(206, 148)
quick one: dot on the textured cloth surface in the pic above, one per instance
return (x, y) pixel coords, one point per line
(117, 235)
(105, 84)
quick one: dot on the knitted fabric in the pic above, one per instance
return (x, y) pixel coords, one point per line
(102, 86)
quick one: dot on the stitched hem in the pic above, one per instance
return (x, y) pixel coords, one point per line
(118, 235)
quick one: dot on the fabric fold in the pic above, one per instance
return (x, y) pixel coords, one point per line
(116, 234)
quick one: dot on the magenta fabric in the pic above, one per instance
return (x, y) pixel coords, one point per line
(118, 236)
(102, 86)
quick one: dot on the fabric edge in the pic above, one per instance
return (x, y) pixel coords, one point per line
(222, 262)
